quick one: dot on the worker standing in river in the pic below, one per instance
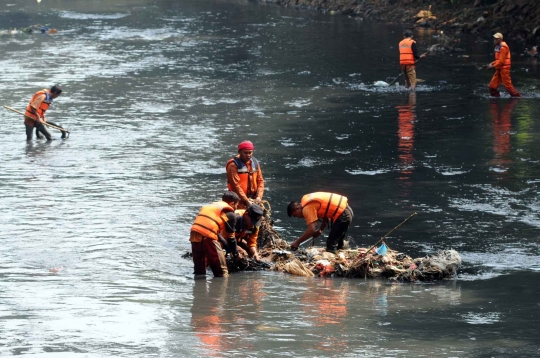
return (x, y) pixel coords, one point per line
(212, 232)
(408, 55)
(34, 117)
(244, 175)
(332, 209)
(502, 66)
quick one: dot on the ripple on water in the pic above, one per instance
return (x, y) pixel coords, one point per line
(85, 16)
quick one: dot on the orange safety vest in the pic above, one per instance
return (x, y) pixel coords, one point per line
(42, 107)
(332, 205)
(209, 222)
(246, 177)
(507, 62)
(406, 56)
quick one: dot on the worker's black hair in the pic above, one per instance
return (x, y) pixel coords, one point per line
(230, 197)
(407, 33)
(56, 89)
(290, 208)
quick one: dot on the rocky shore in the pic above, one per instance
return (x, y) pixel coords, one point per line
(517, 19)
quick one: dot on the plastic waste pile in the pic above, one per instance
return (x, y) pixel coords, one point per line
(379, 262)
(359, 263)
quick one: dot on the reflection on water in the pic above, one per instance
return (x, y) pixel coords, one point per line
(501, 117)
(406, 118)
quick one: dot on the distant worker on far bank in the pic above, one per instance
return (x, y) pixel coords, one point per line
(244, 175)
(331, 209)
(408, 55)
(502, 66)
(34, 117)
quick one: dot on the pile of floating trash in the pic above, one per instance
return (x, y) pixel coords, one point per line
(374, 262)
(381, 262)
(359, 263)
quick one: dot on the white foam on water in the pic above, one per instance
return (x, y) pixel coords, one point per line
(451, 171)
(287, 142)
(368, 172)
(518, 206)
(80, 16)
(308, 163)
(107, 33)
(482, 318)
(372, 87)
(481, 276)
(299, 103)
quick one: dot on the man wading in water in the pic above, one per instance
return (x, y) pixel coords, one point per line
(212, 232)
(244, 175)
(34, 117)
(408, 55)
(502, 68)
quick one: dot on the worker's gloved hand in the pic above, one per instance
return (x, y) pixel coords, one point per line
(294, 248)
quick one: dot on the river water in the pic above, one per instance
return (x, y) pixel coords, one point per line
(158, 94)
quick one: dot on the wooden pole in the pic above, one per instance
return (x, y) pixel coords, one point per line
(47, 124)
(391, 231)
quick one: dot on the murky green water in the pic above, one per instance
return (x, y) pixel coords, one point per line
(157, 96)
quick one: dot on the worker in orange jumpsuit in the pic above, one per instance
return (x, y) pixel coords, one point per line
(244, 175)
(34, 116)
(248, 222)
(408, 55)
(502, 66)
(212, 233)
(329, 208)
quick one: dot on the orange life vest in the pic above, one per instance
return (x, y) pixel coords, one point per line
(332, 205)
(247, 178)
(209, 222)
(506, 61)
(42, 107)
(406, 56)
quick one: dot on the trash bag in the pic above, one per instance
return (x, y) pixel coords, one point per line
(382, 250)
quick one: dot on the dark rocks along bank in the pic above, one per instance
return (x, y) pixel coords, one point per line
(518, 20)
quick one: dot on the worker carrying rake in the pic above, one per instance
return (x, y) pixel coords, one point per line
(332, 209)
(34, 116)
(408, 56)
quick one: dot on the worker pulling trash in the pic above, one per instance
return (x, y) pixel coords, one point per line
(377, 261)
(408, 57)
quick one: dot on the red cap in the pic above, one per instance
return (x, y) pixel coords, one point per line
(246, 145)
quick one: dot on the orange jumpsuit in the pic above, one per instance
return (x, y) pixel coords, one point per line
(502, 72)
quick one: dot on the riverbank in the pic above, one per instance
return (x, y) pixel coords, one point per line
(518, 20)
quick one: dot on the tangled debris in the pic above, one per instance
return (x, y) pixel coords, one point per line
(360, 263)
(364, 263)
(373, 262)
